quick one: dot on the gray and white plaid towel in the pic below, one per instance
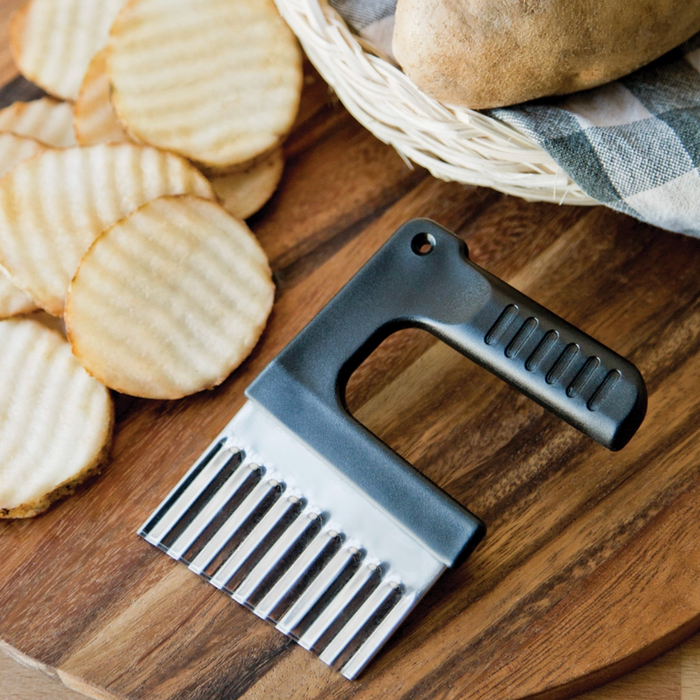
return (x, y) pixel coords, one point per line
(633, 145)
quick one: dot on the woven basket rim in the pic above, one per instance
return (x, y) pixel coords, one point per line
(453, 143)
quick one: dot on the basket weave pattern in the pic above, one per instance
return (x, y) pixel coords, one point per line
(454, 144)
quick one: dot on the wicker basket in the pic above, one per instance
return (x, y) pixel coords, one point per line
(452, 143)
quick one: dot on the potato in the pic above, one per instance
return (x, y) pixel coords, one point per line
(491, 53)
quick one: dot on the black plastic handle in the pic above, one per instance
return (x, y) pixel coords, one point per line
(422, 277)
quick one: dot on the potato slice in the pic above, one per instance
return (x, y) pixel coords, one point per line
(46, 120)
(170, 300)
(14, 149)
(13, 301)
(94, 119)
(52, 41)
(217, 81)
(55, 420)
(245, 192)
(53, 206)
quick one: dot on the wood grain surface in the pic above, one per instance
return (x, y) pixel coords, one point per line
(673, 676)
(590, 566)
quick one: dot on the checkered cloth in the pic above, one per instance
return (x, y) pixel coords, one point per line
(633, 145)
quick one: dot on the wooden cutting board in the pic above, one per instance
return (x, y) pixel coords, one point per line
(590, 566)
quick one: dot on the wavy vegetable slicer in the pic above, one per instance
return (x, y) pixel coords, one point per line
(301, 514)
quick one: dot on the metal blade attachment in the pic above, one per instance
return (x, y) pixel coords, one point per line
(282, 532)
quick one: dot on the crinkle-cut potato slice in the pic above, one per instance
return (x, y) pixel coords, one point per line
(14, 149)
(13, 301)
(217, 81)
(46, 120)
(245, 192)
(55, 419)
(170, 300)
(52, 41)
(53, 206)
(94, 120)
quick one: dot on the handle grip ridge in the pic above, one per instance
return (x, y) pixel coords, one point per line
(556, 364)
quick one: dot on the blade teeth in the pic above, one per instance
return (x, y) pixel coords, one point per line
(213, 506)
(311, 554)
(314, 633)
(310, 597)
(187, 491)
(293, 536)
(246, 548)
(369, 647)
(361, 617)
(234, 523)
(332, 601)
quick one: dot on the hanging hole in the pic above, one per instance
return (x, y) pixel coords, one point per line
(422, 244)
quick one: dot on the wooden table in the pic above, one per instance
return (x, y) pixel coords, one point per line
(591, 564)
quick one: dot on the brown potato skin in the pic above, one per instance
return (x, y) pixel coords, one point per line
(491, 53)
